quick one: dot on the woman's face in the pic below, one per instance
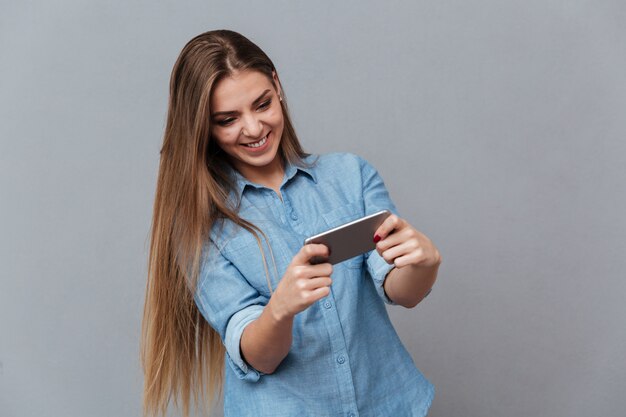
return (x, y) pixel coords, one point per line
(247, 122)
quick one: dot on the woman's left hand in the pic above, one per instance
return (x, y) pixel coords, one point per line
(401, 244)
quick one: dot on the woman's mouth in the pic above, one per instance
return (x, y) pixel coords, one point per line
(258, 143)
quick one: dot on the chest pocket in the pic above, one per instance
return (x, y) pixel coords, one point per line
(344, 214)
(251, 260)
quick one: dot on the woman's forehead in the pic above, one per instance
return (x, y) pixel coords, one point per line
(239, 89)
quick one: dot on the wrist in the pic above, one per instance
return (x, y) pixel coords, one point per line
(278, 314)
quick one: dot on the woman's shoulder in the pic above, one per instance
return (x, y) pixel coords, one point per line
(336, 162)
(333, 156)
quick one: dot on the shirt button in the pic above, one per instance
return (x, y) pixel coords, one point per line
(294, 216)
(327, 304)
(351, 414)
(341, 359)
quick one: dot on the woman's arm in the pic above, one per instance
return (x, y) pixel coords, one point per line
(409, 285)
(415, 257)
(266, 341)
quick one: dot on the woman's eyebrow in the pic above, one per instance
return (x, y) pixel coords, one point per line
(254, 103)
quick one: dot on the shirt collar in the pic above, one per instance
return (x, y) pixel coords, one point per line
(290, 171)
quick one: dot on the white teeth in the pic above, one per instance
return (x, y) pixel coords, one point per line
(257, 144)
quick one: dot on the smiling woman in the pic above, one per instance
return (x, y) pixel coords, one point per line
(250, 133)
(233, 299)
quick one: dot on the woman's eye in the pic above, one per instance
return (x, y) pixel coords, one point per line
(265, 104)
(225, 122)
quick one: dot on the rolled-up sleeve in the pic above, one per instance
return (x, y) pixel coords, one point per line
(229, 303)
(376, 198)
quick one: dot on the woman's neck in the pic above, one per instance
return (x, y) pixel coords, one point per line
(270, 176)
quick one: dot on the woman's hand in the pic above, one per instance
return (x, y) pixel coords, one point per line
(415, 258)
(401, 244)
(303, 283)
(266, 341)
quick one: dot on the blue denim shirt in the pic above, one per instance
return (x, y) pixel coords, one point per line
(346, 358)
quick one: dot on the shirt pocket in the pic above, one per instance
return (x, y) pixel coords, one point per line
(251, 260)
(341, 215)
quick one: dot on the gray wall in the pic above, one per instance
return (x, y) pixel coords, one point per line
(498, 126)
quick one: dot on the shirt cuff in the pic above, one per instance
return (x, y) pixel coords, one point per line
(232, 340)
(379, 268)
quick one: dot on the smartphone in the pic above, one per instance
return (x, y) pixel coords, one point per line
(350, 239)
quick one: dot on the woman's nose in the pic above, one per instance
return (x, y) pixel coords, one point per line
(252, 127)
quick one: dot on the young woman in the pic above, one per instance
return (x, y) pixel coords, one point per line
(232, 300)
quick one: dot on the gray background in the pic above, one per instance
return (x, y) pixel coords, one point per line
(499, 129)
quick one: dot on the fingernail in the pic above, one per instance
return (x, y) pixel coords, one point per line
(376, 238)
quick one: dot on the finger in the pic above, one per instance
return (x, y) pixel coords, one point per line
(318, 294)
(308, 271)
(315, 283)
(394, 239)
(409, 259)
(406, 248)
(392, 222)
(321, 270)
(309, 251)
(421, 257)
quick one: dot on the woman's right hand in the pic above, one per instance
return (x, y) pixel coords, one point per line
(303, 283)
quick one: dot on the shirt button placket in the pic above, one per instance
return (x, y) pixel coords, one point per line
(345, 384)
(289, 210)
(278, 206)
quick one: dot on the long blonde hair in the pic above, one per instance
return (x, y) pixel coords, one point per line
(181, 354)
